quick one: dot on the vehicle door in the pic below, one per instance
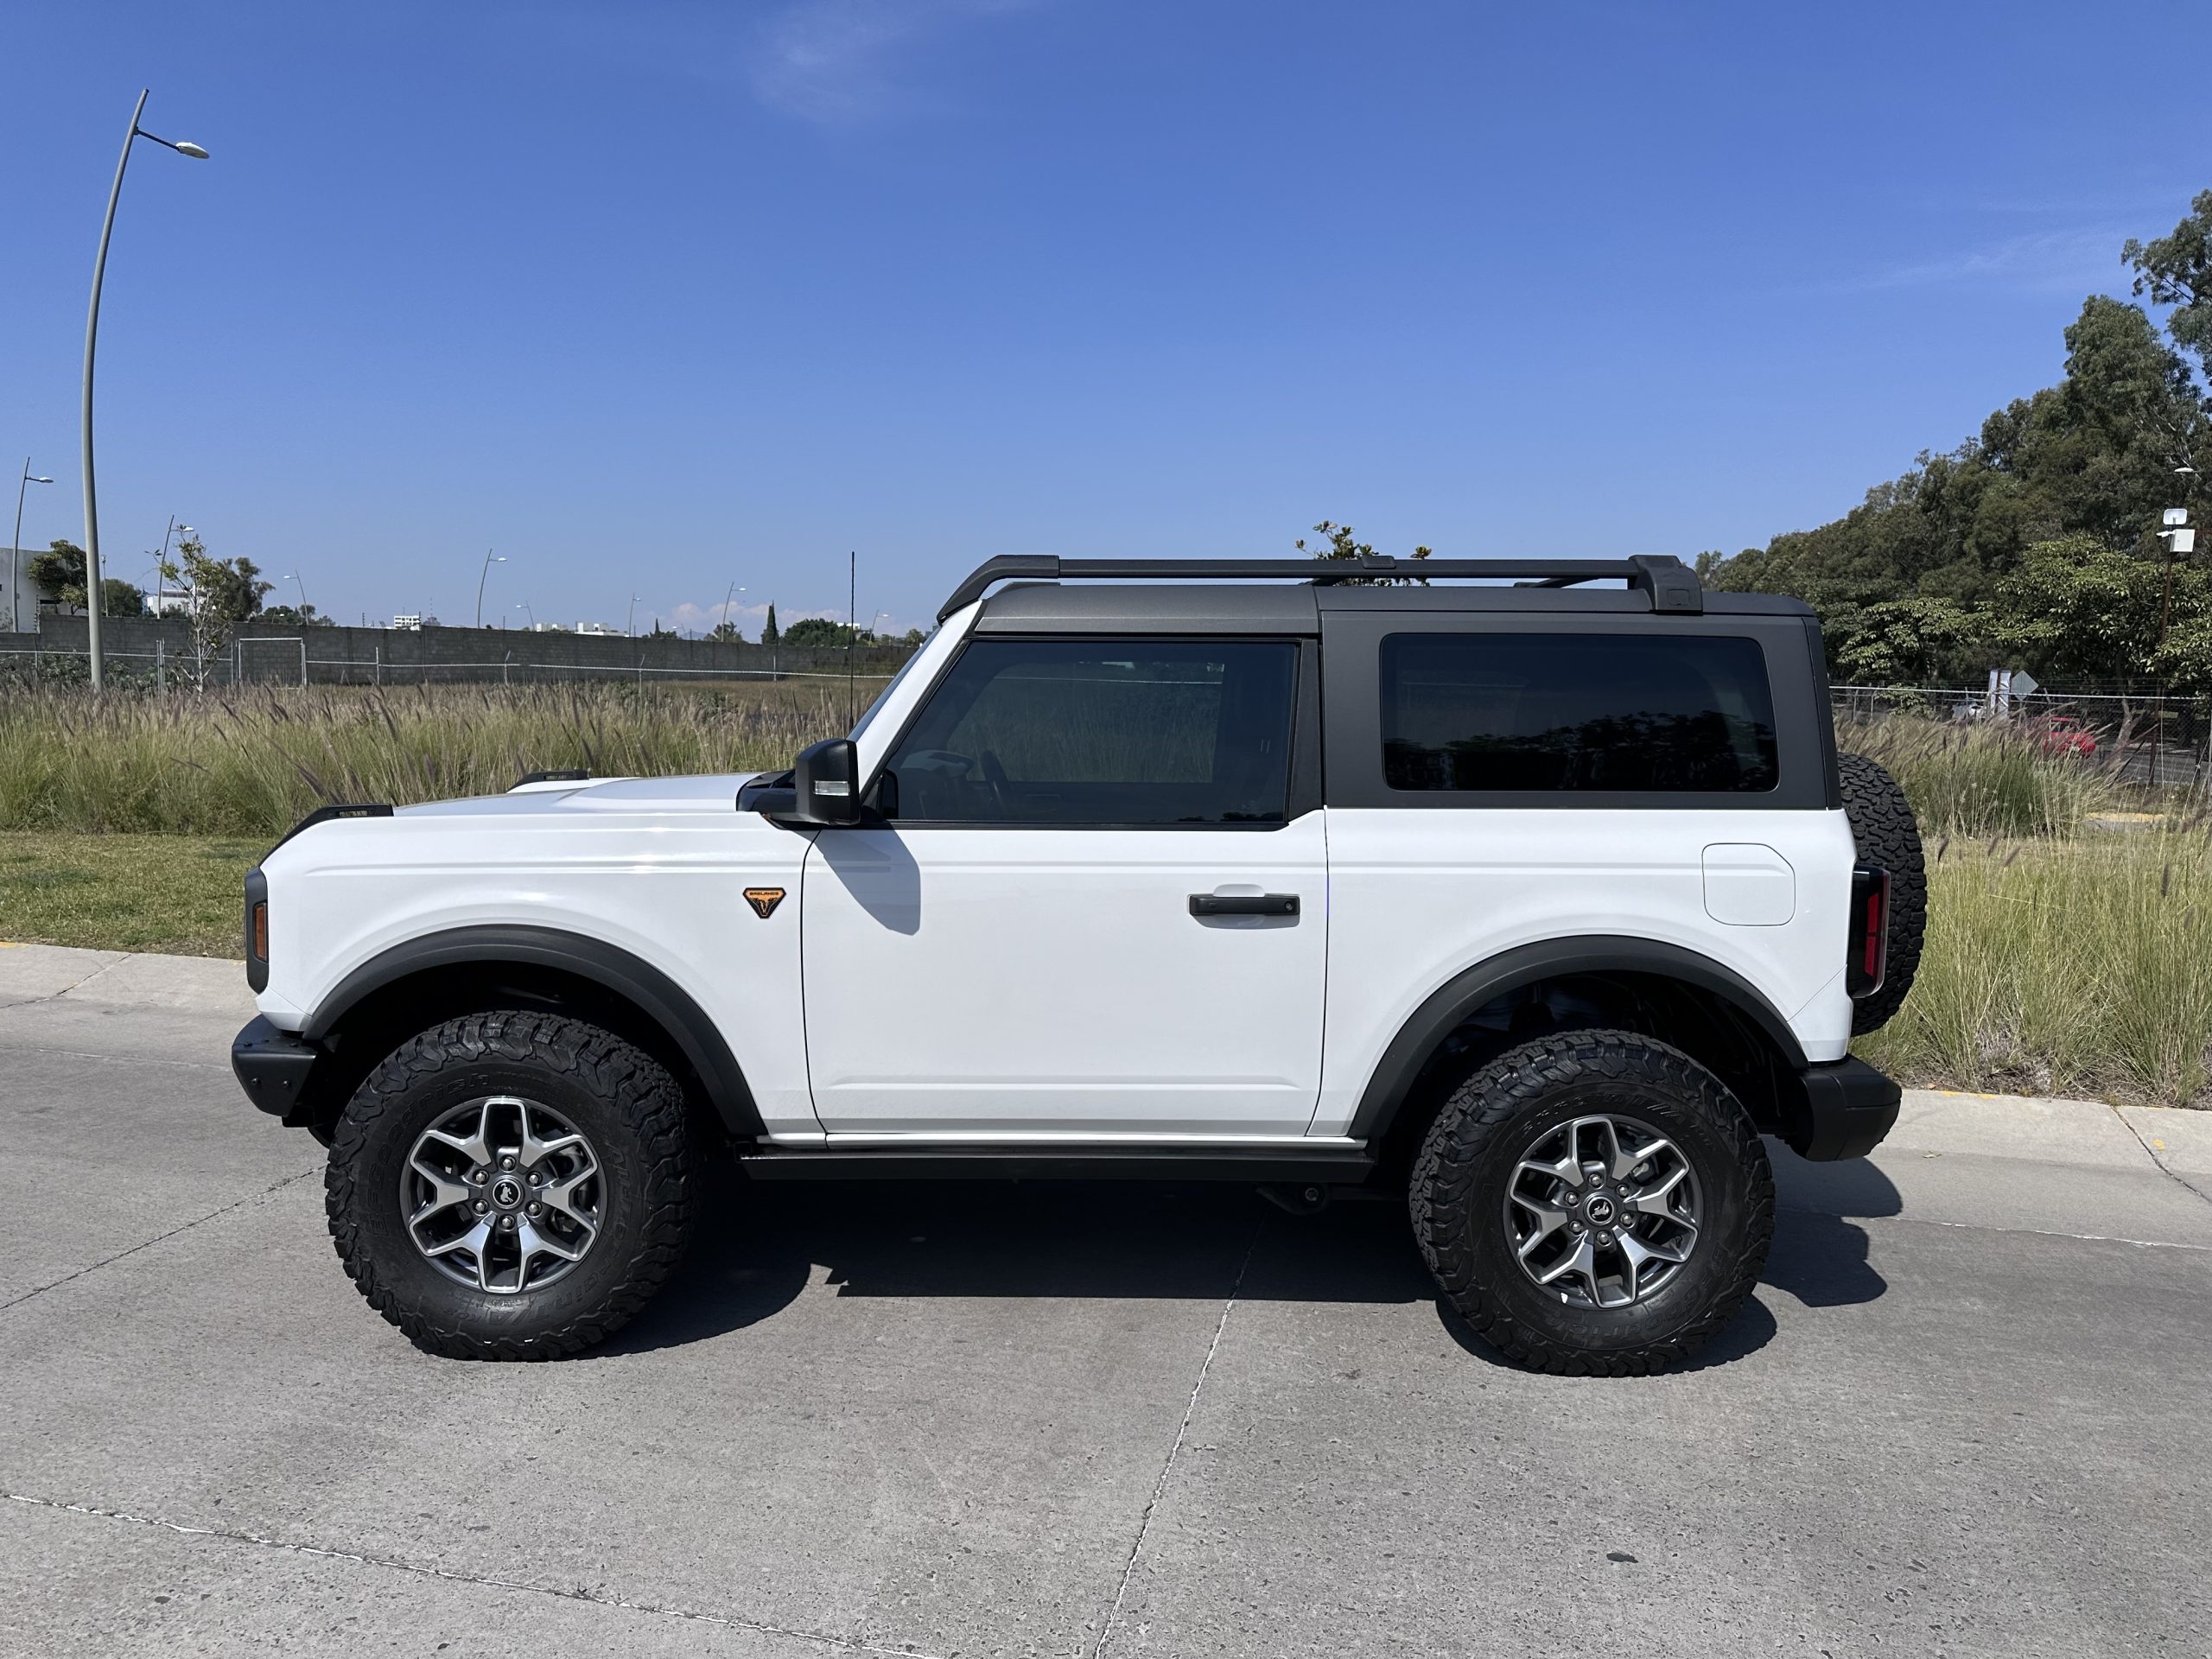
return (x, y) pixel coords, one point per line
(1087, 902)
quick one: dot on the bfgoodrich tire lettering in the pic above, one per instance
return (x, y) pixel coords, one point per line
(1467, 1168)
(624, 1101)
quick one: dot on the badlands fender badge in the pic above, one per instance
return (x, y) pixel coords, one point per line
(764, 900)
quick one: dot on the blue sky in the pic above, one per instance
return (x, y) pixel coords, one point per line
(656, 297)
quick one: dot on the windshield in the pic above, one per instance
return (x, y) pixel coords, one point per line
(883, 696)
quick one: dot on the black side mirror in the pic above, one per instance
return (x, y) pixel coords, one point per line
(825, 781)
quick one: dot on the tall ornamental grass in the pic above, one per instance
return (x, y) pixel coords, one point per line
(1984, 777)
(254, 761)
(2078, 967)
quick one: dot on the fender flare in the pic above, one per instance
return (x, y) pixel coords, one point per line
(636, 980)
(1510, 971)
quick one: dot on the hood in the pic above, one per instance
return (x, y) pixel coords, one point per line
(708, 793)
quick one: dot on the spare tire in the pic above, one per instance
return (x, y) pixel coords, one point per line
(1888, 838)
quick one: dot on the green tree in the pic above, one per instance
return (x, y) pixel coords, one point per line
(819, 631)
(727, 632)
(2176, 270)
(1917, 581)
(1344, 543)
(223, 593)
(58, 574)
(295, 616)
(770, 634)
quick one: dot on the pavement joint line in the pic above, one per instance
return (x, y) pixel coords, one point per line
(87, 1054)
(1981, 1227)
(2150, 1153)
(359, 1558)
(1182, 1434)
(146, 1244)
(51, 996)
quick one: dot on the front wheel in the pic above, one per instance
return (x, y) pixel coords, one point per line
(511, 1185)
(1593, 1203)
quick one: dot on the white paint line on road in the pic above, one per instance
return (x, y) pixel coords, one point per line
(117, 1059)
(359, 1559)
(1978, 1227)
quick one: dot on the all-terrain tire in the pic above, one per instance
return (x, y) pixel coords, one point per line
(1887, 836)
(628, 1107)
(1505, 1108)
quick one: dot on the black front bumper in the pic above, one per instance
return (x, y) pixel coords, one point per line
(274, 1065)
(1841, 1110)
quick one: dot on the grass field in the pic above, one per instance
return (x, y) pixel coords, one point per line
(256, 761)
(2061, 957)
(178, 894)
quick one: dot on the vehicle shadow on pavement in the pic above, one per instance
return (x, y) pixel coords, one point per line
(1138, 1241)
(1141, 1240)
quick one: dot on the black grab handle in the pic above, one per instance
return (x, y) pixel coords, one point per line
(1244, 904)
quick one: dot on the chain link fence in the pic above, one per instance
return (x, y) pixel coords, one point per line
(2140, 737)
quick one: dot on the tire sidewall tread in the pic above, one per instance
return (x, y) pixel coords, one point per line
(1458, 1187)
(627, 1106)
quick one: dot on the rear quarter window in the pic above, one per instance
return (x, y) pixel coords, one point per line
(1574, 713)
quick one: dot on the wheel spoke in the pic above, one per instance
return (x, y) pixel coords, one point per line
(1657, 1198)
(1549, 1222)
(1565, 1171)
(497, 1250)
(561, 1196)
(533, 1151)
(1630, 1252)
(1581, 1261)
(532, 1242)
(445, 1192)
(474, 1240)
(473, 1148)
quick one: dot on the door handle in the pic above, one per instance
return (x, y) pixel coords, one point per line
(1244, 904)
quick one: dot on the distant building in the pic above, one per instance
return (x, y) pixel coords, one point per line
(408, 624)
(595, 627)
(169, 604)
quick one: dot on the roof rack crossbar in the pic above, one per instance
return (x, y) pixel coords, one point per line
(1672, 585)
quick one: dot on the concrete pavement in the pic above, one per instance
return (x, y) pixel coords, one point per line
(1964, 1415)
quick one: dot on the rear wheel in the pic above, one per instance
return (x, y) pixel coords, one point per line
(1593, 1203)
(511, 1185)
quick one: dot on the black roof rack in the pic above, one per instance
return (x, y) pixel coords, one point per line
(1673, 585)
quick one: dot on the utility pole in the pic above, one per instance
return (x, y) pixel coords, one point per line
(92, 337)
(16, 542)
(489, 561)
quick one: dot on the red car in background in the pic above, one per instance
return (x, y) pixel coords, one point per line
(2065, 735)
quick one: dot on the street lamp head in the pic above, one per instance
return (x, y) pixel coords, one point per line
(35, 479)
(192, 150)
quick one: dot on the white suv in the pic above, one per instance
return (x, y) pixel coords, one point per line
(1539, 902)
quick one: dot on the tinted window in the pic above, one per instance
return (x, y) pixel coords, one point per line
(1576, 711)
(1110, 732)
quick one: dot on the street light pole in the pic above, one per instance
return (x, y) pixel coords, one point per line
(632, 625)
(92, 339)
(304, 598)
(488, 563)
(16, 542)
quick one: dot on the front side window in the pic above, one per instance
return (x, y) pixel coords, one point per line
(1576, 712)
(1102, 732)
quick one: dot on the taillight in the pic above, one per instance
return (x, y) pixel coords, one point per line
(1869, 937)
(261, 932)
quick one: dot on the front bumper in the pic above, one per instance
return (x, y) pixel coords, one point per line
(273, 1066)
(1841, 1110)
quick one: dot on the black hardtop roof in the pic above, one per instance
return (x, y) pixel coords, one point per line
(1290, 595)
